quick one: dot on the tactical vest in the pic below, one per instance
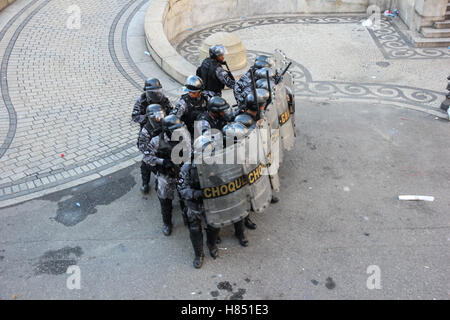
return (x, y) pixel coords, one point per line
(195, 181)
(207, 72)
(194, 110)
(213, 123)
(164, 148)
(152, 131)
(164, 152)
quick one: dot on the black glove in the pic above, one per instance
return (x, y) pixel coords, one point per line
(277, 79)
(167, 164)
(198, 194)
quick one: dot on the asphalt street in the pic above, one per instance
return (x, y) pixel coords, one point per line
(338, 216)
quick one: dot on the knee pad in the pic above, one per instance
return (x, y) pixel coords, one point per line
(195, 226)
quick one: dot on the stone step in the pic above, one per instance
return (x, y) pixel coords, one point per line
(442, 24)
(447, 15)
(421, 42)
(435, 33)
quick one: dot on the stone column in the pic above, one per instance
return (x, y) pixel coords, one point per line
(420, 13)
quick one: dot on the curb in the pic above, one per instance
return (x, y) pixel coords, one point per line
(164, 54)
(5, 3)
(71, 184)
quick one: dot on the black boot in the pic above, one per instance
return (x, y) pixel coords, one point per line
(145, 189)
(196, 235)
(239, 233)
(166, 211)
(184, 212)
(211, 240)
(146, 172)
(274, 199)
(249, 223)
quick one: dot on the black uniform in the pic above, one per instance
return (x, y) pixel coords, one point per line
(189, 109)
(191, 193)
(139, 115)
(207, 122)
(145, 136)
(214, 77)
(140, 107)
(159, 152)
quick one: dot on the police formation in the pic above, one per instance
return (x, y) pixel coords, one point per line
(222, 161)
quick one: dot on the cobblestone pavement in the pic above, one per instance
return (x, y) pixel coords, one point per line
(67, 94)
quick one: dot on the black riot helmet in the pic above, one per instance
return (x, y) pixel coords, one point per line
(193, 84)
(262, 73)
(217, 105)
(155, 114)
(153, 90)
(262, 96)
(265, 59)
(204, 145)
(217, 50)
(152, 84)
(171, 123)
(262, 84)
(234, 131)
(245, 120)
(261, 64)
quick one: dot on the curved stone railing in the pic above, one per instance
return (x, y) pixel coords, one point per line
(5, 3)
(167, 19)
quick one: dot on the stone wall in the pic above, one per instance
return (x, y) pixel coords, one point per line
(5, 3)
(420, 13)
(167, 19)
(184, 14)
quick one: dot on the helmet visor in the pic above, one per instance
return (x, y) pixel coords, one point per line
(158, 116)
(154, 95)
(191, 89)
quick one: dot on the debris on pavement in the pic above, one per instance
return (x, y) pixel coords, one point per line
(415, 198)
(367, 23)
(392, 14)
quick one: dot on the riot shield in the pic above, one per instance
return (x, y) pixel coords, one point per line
(284, 117)
(288, 81)
(257, 172)
(279, 59)
(225, 188)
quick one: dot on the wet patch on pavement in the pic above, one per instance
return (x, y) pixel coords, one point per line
(214, 293)
(383, 64)
(330, 284)
(85, 199)
(56, 262)
(238, 295)
(225, 285)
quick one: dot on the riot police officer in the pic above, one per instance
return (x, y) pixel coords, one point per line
(193, 103)
(152, 95)
(190, 190)
(215, 117)
(254, 109)
(244, 85)
(262, 84)
(152, 128)
(214, 76)
(266, 59)
(250, 117)
(159, 155)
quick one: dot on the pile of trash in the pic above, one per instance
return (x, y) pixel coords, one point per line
(389, 13)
